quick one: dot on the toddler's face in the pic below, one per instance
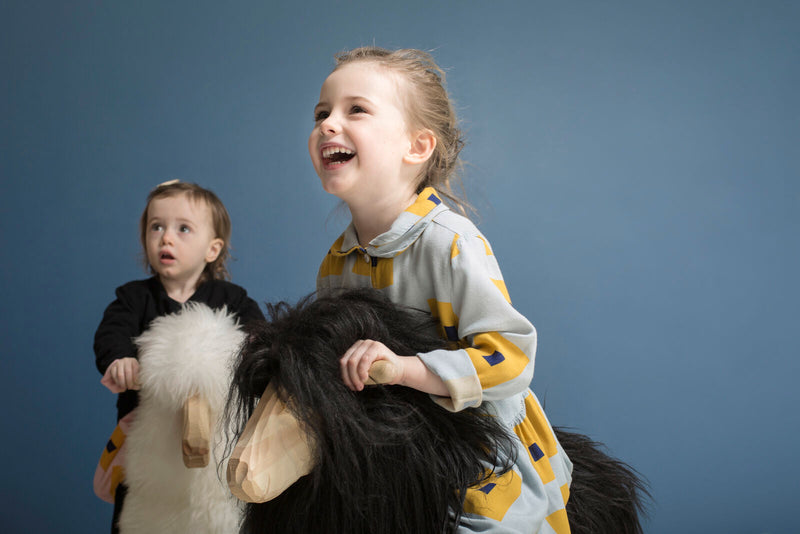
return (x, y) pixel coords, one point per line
(180, 238)
(360, 135)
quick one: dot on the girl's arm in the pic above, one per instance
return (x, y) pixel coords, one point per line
(497, 344)
(409, 370)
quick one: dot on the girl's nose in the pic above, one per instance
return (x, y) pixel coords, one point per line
(329, 126)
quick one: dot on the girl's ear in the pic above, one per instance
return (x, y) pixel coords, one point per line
(423, 143)
(214, 248)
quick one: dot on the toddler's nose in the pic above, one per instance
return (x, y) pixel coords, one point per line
(166, 237)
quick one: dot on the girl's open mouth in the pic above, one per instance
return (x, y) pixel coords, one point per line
(336, 155)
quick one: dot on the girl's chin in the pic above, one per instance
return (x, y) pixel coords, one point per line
(335, 186)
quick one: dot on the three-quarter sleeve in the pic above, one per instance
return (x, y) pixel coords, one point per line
(496, 343)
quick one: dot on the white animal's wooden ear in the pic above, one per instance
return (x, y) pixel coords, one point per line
(196, 432)
(272, 453)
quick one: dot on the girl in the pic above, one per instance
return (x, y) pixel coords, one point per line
(185, 233)
(386, 142)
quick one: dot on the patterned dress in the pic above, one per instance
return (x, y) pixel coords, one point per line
(434, 259)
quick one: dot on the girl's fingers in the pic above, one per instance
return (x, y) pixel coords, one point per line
(362, 354)
(357, 360)
(343, 366)
(349, 364)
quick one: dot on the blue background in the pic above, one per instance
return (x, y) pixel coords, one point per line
(635, 166)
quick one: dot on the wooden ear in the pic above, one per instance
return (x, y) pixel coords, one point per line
(197, 429)
(423, 143)
(272, 453)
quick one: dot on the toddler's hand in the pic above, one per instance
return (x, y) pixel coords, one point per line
(357, 360)
(122, 375)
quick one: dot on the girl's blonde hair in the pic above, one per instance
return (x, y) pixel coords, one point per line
(427, 106)
(220, 224)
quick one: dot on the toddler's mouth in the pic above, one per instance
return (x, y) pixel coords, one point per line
(167, 256)
(333, 155)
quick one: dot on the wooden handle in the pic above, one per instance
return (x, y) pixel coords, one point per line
(272, 452)
(196, 432)
(381, 372)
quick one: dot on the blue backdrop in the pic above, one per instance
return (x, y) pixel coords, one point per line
(635, 165)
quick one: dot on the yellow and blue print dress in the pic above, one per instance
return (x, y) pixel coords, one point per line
(434, 259)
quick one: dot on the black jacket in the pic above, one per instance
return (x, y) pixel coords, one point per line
(141, 301)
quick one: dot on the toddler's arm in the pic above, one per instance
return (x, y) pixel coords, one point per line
(113, 340)
(122, 375)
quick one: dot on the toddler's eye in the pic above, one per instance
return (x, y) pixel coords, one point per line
(321, 116)
(184, 229)
(156, 227)
(357, 109)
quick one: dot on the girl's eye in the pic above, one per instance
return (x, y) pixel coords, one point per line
(320, 116)
(357, 109)
(184, 229)
(156, 227)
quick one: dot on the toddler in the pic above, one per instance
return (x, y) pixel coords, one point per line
(185, 233)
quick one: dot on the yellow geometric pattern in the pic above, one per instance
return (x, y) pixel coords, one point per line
(494, 496)
(448, 321)
(486, 244)
(454, 247)
(332, 265)
(110, 452)
(380, 270)
(383, 273)
(496, 358)
(502, 287)
(565, 492)
(361, 267)
(117, 439)
(558, 521)
(538, 440)
(422, 206)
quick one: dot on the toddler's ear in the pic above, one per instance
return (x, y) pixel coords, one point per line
(214, 248)
(421, 148)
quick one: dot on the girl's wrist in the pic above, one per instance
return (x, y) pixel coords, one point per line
(415, 374)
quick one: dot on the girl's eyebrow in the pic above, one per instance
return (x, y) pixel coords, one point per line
(355, 98)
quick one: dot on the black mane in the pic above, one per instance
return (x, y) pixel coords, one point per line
(389, 459)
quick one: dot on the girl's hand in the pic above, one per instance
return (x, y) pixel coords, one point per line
(410, 371)
(122, 375)
(357, 360)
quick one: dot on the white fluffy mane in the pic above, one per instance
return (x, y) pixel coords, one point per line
(180, 355)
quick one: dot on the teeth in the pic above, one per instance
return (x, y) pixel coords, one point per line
(331, 150)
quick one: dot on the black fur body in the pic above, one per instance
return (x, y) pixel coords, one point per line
(388, 459)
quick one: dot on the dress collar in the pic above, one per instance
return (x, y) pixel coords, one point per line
(408, 226)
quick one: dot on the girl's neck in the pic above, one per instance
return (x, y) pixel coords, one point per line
(180, 290)
(375, 218)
